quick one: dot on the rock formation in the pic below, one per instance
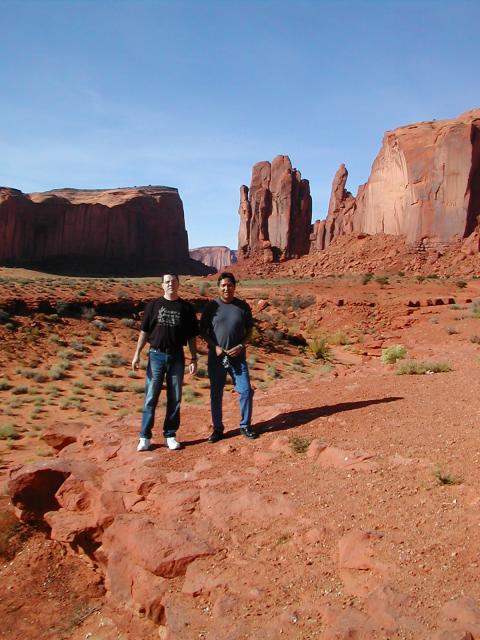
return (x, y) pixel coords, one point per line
(275, 213)
(424, 185)
(118, 230)
(216, 257)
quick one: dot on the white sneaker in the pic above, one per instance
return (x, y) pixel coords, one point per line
(172, 444)
(143, 444)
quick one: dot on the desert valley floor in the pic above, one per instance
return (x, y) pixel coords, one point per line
(355, 514)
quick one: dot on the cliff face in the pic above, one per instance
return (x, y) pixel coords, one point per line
(217, 257)
(275, 213)
(424, 185)
(120, 229)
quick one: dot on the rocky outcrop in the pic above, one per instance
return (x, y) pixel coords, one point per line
(424, 185)
(111, 230)
(216, 257)
(275, 213)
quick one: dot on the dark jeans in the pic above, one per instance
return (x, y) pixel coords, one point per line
(162, 365)
(217, 373)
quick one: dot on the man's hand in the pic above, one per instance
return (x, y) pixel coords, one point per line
(219, 351)
(192, 367)
(135, 362)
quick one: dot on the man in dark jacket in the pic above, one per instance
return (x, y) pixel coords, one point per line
(168, 324)
(226, 325)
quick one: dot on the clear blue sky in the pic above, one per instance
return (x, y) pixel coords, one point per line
(190, 94)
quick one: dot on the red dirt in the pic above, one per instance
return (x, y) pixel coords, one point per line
(355, 538)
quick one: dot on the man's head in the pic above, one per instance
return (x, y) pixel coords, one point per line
(226, 286)
(170, 285)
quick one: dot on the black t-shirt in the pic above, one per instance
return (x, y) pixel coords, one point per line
(169, 323)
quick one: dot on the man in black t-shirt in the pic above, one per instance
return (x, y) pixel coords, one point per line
(168, 324)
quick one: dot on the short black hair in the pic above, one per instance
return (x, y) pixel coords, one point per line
(226, 275)
(175, 275)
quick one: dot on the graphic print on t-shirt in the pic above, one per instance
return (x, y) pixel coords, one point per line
(168, 317)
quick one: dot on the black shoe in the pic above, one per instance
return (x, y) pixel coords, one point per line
(249, 433)
(215, 436)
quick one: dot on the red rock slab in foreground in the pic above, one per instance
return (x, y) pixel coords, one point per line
(126, 229)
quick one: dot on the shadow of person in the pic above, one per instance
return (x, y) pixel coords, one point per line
(292, 419)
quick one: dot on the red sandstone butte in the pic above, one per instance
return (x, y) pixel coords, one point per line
(216, 257)
(275, 213)
(424, 185)
(126, 228)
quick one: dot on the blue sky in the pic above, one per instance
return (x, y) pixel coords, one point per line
(190, 94)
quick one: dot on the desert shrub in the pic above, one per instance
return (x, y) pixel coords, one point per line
(255, 337)
(113, 386)
(252, 361)
(461, 284)
(122, 294)
(201, 372)
(445, 478)
(300, 444)
(56, 339)
(4, 384)
(87, 313)
(474, 339)
(190, 395)
(297, 364)
(320, 348)
(99, 324)
(451, 331)
(77, 346)
(61, 307)
(4, 316)
(272, 371)
(420, 368)
(204, 288)
(8, 432)
(128, 322)
(382, 280)
(366, 277)
(420, 278)
(435, 320)
(300, 302)
(66, 354)
(90, 340)
(274, 335)
(113, 359)
(79, 384)
(19, 391)
(455, 307)
(138, 388)
(38, 376)
(339, 338)
(57, 371)
(476, 309)
(107, 372)
(391, 354)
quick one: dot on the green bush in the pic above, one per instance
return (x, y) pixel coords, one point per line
(366, 277)
(391, 354)
(8, 432)
(461, 284)
(128, 322)
(113, 386)
(300, 444)
(320, 349)
(382, 280)
(339, 338)
(113, 359)
(421, 368)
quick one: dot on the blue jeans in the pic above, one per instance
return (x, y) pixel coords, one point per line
(217, 373)
(162, 365)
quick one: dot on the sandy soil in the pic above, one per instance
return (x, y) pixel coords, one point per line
(376, 474)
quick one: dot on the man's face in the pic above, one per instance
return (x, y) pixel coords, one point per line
(170, 285)
(226, 289)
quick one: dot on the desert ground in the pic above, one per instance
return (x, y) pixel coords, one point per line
(355, 514)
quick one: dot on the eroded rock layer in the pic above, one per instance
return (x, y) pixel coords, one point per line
(275, 212)
(424, 185)
(127, 230)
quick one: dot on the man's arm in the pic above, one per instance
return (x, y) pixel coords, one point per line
(192, 345)
(205, 331)
(141, 342)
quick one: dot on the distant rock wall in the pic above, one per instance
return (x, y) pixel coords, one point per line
(424, 185)
(121, 229)
(216, 257)
(275, 213)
